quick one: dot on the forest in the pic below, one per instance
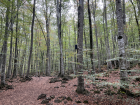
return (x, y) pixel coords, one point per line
(70, 52)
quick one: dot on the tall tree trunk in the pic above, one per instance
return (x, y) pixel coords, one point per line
(60, 39)
(107, 40)
(11, 43)
(16, 48)
(31, 47)
(80, 87)
(48, 68)
(4, 47)
(94, 11)
(91, 39)
(121, 45)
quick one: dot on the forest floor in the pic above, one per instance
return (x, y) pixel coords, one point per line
(63, 93)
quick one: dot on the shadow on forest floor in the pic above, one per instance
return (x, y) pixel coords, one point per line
(61, 91)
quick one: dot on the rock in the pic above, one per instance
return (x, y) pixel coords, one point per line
(48, 98)
(74, 85)
(69, 99)
(138, 79)
(78, 101)
(57, 101)
(52, 96)
(41, 96)
(45, 101)
(63, 81)
(65, 102)
(9, 87)
(63, 97)
(56, 87)
(62, 85)
(65, 78)
(53, 80)
(76, 95)
(85, 102)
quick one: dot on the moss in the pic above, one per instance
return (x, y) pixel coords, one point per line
(109, 92)
(85, 102)
(114, 87)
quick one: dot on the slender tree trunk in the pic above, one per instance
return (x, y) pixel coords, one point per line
(107, 40)
(31, 47)
(48, 68)
(11, 43)
(4, 47)
(94, 11)
(121, 45)
(60, 39)
(91, 39)
(16, 48)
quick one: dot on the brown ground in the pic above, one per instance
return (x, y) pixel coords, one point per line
(26, 93)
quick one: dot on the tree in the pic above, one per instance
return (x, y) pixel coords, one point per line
(80, 87)
(61, 74)
(106, 37)
(121, 45)
(4, 47)
(91, 39)
(48, 68)
(16, 47)
(31, 46)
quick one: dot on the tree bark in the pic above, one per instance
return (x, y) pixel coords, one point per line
(31, 47)
(61, 74)
(107, 40)
(48, 68)
(91, 39)
(80, 87)
(16, 48)
(4, 47)
(121, 45)
(95, 27)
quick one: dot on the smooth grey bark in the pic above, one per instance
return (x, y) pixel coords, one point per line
(85, 39)
(121, 45)
(113, 33)
(80, 87)
(60, 39)
(48, 68)
(31, 46)
(75, 44)
(4, 47)
(95, 28)
(107, 40)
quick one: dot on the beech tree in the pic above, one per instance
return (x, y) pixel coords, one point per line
(4, 47)
(80, 87)
(31, 46)
(121, 45)
(60, 38)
